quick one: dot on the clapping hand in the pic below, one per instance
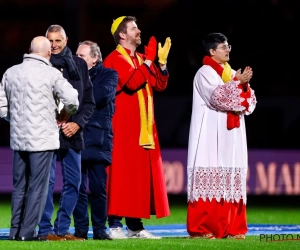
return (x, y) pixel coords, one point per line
(163, 52)
(150, 50)
(245, 76)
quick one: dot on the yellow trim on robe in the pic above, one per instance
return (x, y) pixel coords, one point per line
(146, 139)
(226, 74)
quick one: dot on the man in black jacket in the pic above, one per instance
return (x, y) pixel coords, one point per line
(98, 145)
(75, 70)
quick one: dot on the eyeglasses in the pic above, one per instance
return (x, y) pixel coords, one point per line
(225, 47)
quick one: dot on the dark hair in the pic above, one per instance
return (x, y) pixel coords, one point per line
(123, 27)
(212, 40)
(94, 49)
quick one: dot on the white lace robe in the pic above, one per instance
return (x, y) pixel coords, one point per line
(217, 157)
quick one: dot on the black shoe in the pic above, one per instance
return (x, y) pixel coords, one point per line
(31, 239)
(80, 234)
(102, 236)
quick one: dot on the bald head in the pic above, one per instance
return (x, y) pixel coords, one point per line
(40, 45)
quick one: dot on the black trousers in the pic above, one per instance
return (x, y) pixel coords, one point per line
(92, 174)
(31, 172)
(133, 224)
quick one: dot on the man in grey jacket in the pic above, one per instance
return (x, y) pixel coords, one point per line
(29, 94)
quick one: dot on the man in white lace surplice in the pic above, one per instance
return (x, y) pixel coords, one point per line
(217, 156)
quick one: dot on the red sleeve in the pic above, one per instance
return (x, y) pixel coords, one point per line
(133, 78)
(158, 80)
(246, 93)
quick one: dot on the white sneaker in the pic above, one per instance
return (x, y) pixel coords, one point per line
(117, 233)
(142, 234)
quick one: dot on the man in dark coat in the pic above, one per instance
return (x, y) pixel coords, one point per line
(75, 70)
(98, 145)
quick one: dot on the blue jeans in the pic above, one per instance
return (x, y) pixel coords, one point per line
(96, 174)
(70, 160)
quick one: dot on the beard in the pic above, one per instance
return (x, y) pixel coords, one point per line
(138, 41)
(134, 41)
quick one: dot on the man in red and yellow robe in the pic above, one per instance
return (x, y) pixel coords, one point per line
(136, 184)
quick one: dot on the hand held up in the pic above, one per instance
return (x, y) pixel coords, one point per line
(163, 52)
(150, 50)
(245, 76)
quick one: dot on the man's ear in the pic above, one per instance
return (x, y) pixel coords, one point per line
(122, 35)
(212, 52)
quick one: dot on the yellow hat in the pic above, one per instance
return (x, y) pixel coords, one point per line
(116, 24)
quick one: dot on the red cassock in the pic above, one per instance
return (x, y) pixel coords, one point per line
(136, 184)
